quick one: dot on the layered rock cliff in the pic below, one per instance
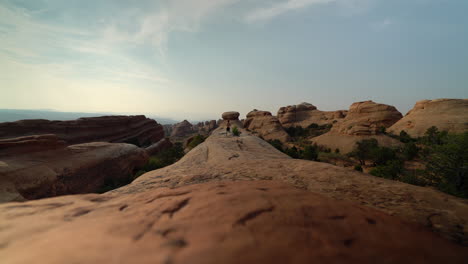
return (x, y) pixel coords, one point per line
(239, 200)
(446, 114)
(137, 130)
(35, 167)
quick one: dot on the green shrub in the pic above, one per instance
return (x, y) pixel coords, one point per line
(277, 144)
(235, 131)
(364, 150)
(404, 137)
(358, 168)
(447, 163)
(292, 152)
(197, 140)
(309, 153)
(388, 171)
(409, 151)
(337, 150)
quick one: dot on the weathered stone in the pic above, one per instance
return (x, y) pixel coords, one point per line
(265, 125)
(446, 114)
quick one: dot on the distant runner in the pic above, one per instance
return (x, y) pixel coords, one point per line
(228, 127)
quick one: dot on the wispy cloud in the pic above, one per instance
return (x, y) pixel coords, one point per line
(345, 7)
(268, 13)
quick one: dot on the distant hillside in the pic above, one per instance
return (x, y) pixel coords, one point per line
(10, 115)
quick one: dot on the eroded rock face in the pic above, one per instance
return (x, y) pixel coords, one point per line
(214, 222)
(265, 125)
(61, 170)
(305, 114)
(28, 144)
(364, 120)
(137, 130)
(446, 114)
(367, 118)
(182, 129)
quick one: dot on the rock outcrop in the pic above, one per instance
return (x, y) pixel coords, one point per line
(263, 124)
(34, 167)
(305, 114)
(446, 114)
(232, 117)
(182, 130)
(364, 120)
(239, 200)
(138, 130)
(367, 118)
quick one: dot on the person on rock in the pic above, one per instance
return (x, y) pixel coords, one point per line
(228, 127)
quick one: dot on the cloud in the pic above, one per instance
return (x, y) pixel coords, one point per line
(265, 14)
(382, 25)
(345, 7)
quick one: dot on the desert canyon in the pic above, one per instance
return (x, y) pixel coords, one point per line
(230, 199)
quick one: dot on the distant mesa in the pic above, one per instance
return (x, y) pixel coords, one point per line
(449, 115)
(305, 114)
(265, 125)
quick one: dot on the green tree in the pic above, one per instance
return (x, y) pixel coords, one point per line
(364, 150)
(310, 153)
(447, 165)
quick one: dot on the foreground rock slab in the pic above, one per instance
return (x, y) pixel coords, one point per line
(248, 157)
(215, 222)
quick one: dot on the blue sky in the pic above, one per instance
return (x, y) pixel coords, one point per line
(195, 59)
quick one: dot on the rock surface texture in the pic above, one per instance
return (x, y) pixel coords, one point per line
(182, 129)
(263, 124)
(305, 114)
(58, 170)
(364, 120)
(239, 200)
(137, 130)
(446, 114)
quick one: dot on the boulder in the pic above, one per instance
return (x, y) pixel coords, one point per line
(239, 200)
(305, 114)
(265, 125)
(230, 115)
(138, 130)
(446, 114)
(37, 172)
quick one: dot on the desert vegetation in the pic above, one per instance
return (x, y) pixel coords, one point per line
(441, 158)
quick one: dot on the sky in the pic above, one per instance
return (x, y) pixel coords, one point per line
(194, 59)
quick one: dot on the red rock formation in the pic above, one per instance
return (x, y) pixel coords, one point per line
(61, 170)
(28, 144)
(364, 120)
(367, 118)
(182, 130)
(446, 114)
(265, 125)
(305, 114)
(137, 130)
